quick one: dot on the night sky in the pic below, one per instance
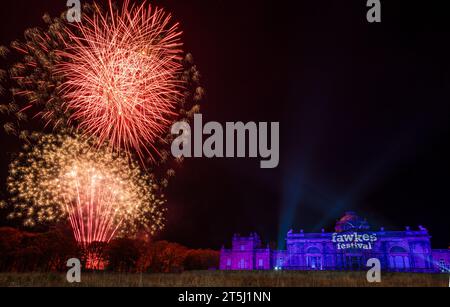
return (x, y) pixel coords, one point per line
(363, 111)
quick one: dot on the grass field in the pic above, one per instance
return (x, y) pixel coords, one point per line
(224, 279)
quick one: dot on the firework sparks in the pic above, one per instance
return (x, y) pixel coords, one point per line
(121, 72)
(101, 193)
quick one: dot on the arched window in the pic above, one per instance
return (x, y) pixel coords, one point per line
(313, 250)
(397, 250)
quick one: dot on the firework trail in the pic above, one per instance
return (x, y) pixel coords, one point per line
(101, 193)
(121, 74)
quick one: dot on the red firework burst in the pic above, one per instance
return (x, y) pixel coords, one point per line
(121, 76)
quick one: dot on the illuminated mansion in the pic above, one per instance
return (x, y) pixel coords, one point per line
(348, 248)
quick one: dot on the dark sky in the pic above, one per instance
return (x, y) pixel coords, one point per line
(363, 110)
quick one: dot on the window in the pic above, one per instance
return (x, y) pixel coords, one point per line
(397, 250)
(241, 264)
(313, 250)
(261, 263)
(399, 262)
(406, 261)
(314, 262)
(228, 262)
(242, 247)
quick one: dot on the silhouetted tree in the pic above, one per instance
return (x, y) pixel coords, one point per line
(10, 239)
(24, 251)
(123, 254)
(201, 259)
(166, 257)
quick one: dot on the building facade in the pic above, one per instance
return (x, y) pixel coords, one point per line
(348, 248)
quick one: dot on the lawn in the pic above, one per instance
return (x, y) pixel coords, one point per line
(225, 279)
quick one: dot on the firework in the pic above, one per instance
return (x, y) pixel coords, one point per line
(101, 193)
(121, 76)
(33, 87)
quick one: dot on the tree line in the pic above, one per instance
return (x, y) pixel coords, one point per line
(22, 251)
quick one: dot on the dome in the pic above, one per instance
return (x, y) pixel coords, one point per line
(351, 222)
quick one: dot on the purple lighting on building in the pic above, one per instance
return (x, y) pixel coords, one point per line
(348, 248)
